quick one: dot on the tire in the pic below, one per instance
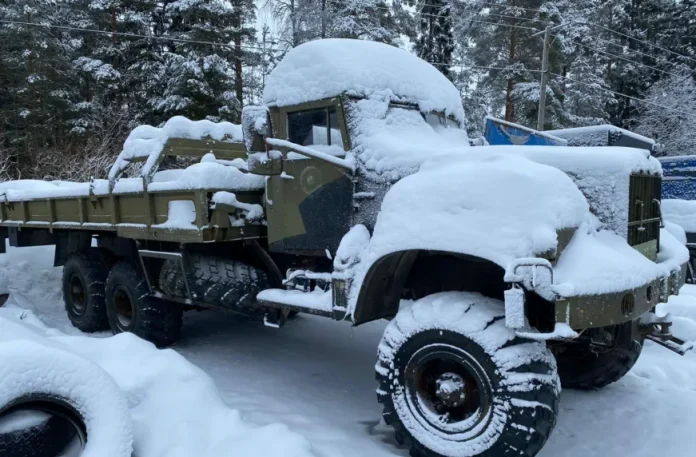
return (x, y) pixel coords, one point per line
(45, 439)
(579, 368)
(215, 281)
(130, 308)
(84, 276)
(453, 380)
(81, 399)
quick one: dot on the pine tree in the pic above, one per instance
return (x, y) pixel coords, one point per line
(501, 37)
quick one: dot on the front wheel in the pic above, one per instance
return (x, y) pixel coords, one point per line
(130, 308)
(581, 368)
(454, 380)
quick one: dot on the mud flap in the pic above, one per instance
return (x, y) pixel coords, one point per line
(514, 308)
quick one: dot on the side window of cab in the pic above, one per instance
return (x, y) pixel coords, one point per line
(317, 128)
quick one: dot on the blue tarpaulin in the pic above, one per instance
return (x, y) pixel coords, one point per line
(679, 177)
(502, 132)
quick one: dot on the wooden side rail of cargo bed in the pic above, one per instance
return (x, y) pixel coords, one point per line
(138, 215)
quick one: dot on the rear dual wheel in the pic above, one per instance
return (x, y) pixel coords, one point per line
(84, 277)
(131, 308)
(100, 294)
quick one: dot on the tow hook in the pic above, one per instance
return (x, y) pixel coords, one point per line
(658, 329)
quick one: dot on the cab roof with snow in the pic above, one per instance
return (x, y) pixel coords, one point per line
(327, 68)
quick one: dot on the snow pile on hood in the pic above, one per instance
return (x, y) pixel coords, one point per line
(601, 173)
(596, 262)
(146, 141)
(391, 142)
(326, 68)
(494, 206)
(680, 212)
(175, 407)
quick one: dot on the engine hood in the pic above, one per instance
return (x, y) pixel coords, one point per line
(494, 206)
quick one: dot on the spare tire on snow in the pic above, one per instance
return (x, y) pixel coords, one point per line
(215, 281)
(80, 398)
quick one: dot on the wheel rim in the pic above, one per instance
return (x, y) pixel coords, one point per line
(123, 307)
(78, 297)
(448, 389)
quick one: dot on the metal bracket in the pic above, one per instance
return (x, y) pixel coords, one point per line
(179, 257)
(531, 280)
(659, 330)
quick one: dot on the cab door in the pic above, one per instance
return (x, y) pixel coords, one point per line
(309, 206)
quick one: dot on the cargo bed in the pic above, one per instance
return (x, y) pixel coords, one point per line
(170, 205)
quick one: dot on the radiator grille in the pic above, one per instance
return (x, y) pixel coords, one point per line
(644, 209)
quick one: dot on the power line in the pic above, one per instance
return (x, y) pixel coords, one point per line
(502, 15)
(136, 35)
(553, 22)
(517, 18)
(622, 46)
(630, 97)
(629, 60)
(500, 5)
(469, 19)
(642, 41)
(478, 67)
(504, 6)
(210, 43)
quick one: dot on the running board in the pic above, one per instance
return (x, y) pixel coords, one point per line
(318, 303)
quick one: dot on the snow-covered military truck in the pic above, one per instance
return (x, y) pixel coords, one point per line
(353, 194)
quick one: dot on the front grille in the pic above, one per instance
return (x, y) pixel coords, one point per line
(644, 209)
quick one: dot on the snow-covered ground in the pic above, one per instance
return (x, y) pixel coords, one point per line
(316, 377)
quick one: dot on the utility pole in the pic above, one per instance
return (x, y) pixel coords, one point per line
(544, 78)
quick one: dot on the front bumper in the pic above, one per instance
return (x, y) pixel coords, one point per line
(589, 311)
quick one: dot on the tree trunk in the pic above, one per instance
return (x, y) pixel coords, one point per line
(323, 19)
(508, 91)
(238, 75)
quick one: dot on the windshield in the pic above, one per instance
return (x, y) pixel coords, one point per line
(439, 120)
(392, 140)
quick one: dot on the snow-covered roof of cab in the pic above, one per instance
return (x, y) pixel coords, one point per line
(326, 68)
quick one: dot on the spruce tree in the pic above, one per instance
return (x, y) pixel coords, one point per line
(435, 40)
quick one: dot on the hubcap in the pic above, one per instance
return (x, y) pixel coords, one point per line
(448, 388)
(77, 294)
(123, 305)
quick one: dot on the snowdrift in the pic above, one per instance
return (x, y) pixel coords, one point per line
(175, 408)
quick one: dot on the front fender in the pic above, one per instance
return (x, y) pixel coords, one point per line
(415, 273)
